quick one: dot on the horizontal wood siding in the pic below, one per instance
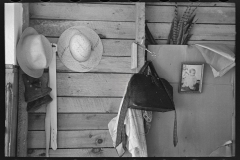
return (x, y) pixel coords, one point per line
(209, 15)
(73, 121)
(86, 101)
(200, 31)
(121, 47)
(89, 12)
(216, 21)
(72, 139)
(87, 152)
(107, 64)
(85, 105)
(105, 29)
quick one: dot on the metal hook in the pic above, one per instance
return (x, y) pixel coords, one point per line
(152, 53)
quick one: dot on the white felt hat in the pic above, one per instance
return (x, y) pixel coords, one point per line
(33, 52)
(80, 48)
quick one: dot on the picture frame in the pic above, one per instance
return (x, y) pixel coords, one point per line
(191, 77)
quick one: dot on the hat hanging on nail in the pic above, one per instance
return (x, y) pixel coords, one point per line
(33, 52)
(80, 48)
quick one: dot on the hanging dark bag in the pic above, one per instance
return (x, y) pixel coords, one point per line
(152, 93)
(146, 91)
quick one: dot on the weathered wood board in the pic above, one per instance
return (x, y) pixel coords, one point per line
(90, 12)
(11, 97)
(22, 128)
(207, 15)
(85, 105)
(121, 47)
(72, 121)
(88, 152)
(105, 29)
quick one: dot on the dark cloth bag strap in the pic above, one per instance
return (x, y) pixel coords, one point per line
(175, 137)
(144, 67)
(165, 85)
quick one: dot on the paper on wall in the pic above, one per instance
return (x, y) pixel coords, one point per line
(220, 58)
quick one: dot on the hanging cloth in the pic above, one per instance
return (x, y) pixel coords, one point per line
(146, 92)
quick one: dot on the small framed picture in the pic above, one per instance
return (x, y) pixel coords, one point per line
(191, 78)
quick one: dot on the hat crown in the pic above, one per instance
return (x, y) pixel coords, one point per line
(36, 54)
(80, 47)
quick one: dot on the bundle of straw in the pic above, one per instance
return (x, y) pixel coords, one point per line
(180, 28)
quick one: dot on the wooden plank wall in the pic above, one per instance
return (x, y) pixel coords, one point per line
(86, 101)
(216, 22)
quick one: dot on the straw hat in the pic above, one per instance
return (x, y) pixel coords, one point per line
(80, 48)
(34, 52)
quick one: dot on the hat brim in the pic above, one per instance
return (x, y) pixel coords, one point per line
(65, 55)
(20, 54)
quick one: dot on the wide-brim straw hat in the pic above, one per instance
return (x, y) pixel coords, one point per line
(64, 51)
(33, 52)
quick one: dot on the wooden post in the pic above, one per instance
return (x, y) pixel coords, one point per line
(22, 105)
(140, 33)
(11, 111)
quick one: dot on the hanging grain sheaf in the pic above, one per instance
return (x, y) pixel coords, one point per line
(180, 29)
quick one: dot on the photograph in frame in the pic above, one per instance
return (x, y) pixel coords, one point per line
(191, 78)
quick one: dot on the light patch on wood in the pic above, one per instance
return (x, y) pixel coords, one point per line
(107, 64)
(90, 84)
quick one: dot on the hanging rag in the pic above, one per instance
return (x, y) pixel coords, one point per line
(133, 139)
(219, 56)
(145, 92)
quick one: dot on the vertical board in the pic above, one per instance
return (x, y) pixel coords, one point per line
(140, 33)
(11, 79)
(22, 105)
